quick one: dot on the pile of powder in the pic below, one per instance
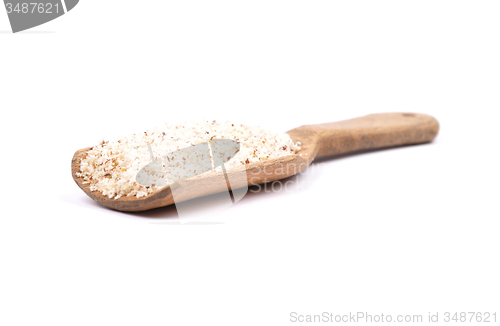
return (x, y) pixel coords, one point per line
(111, 167)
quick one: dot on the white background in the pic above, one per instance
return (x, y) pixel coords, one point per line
(408, 230)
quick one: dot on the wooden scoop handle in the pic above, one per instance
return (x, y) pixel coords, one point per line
(374, 131)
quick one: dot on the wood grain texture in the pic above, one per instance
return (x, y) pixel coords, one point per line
(369, 132)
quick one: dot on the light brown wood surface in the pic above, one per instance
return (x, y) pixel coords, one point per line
(365, 133)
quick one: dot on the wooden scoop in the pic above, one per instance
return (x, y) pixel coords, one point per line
(365, 133)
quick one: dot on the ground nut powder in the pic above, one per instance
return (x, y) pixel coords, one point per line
(111, 167)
